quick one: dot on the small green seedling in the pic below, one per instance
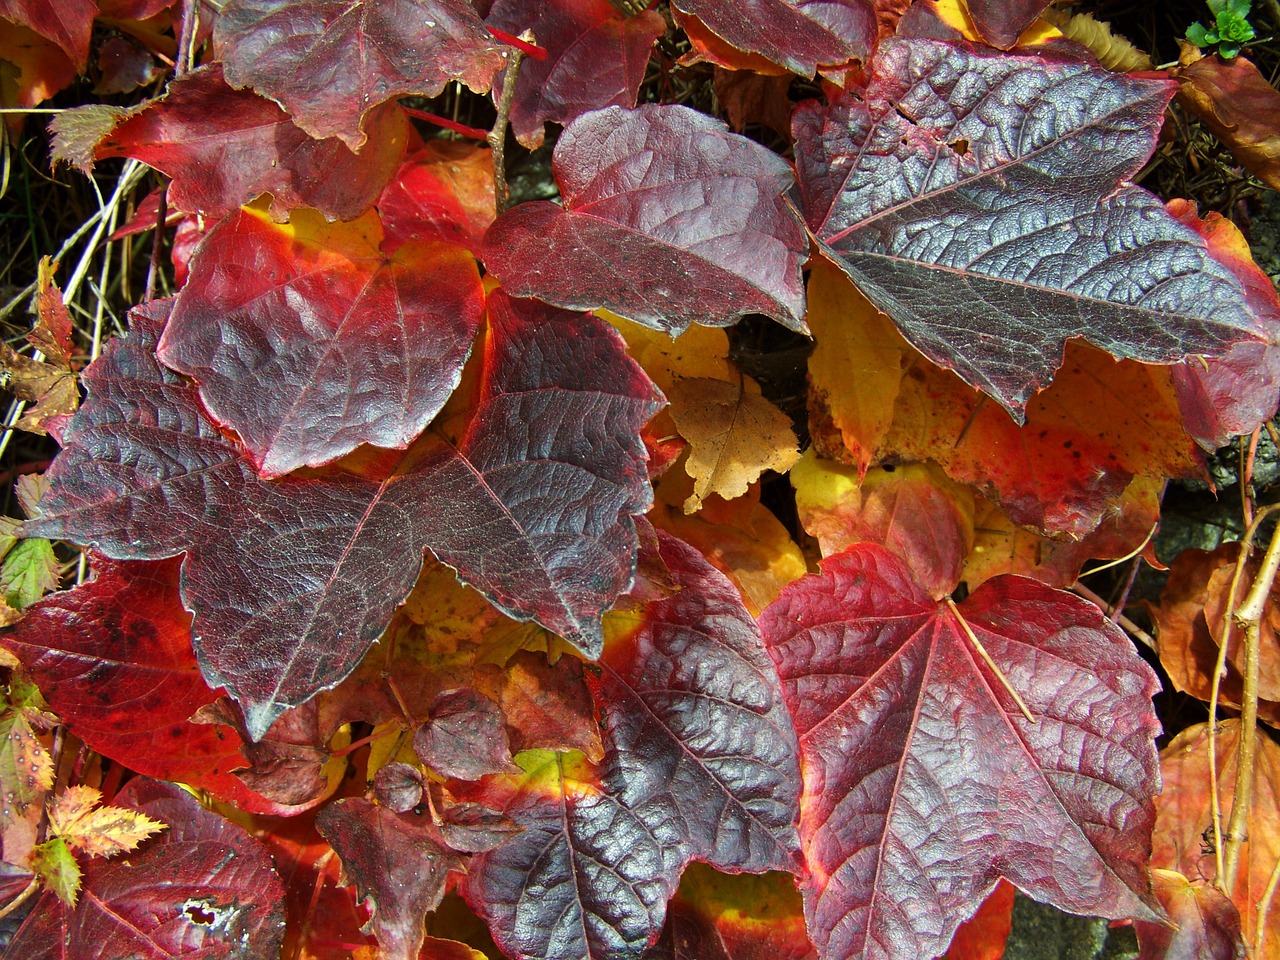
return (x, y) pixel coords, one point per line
(1230, 30)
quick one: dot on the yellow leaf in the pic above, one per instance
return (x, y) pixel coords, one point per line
(1113, 51)
(98, 831)
(734, 435)
(26, 769)
(855, 344)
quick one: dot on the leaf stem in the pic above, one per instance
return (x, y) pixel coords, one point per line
(21, 898)
(1264, 907)
(498, 135)
(982, 652)
(1248, 619)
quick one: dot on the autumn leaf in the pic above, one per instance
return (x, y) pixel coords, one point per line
(1001, 22)
(580, 37)
(798, 35)
(28, 572)
(308, 341)
(924, 780)
(223, 147)
(201, 885)
(442, 191)
(1238, 105)
(464, 737)
(945, 223)
(26, 768)
(68, 24)
(734, 435)
(984, 935)
(1208, 924)
(289, 51)
(76, 816)
(668, 219)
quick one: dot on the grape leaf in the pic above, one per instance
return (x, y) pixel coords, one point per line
(989, 251)
(398, 862)
(668, 219)
(68, 23)
(115, 655)
(201, 887)
(596, 58)
(145, 475)
(924, 783)
(308, 341)
(292, 51)
(700, 763)
(1001, 22)
(801, 35)
(223, 147)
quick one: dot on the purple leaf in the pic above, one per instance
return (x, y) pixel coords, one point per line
(668, 219)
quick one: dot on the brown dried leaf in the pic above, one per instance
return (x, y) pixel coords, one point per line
(1234, 100)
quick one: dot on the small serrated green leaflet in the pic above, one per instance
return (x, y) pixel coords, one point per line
(29, 572)
(8, 535)
(54, 862)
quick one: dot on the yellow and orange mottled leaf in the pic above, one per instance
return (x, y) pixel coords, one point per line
(98, 831)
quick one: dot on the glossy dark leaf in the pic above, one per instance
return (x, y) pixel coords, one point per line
(223, 147)
(292, 50)
(700, 763)
(1001, 22)
(398, 786)
(114, 656)
(464, 737)
(442, 191)
(924, 782)
(202, 887)
(308, 341)
(145, 475)
(668, 219)
(801, 35)
(596, 57)
(989, 251)
(399, 864)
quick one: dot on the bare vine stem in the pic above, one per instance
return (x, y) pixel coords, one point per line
(1264, 908)
(498, 135)
(1248, 619)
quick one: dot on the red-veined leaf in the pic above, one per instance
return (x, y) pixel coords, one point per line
(989, 250)
(924, 784)
(668, 219)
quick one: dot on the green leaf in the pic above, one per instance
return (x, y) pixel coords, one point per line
(8, 535)
(1239, 8)
(29, 572)
(56, 864)
(1200, 36)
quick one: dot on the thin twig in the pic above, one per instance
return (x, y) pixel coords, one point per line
(982, 652)
(498, 135)
(1127, 625)
(1263, 908)
(157, 244)
(1248, 619)
(21, 898)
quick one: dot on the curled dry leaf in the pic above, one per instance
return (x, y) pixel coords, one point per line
(1240, 106)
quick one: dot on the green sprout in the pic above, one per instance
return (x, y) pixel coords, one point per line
(1230, 30)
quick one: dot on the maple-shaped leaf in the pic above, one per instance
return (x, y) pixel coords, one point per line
(734, 435)
(223, 147)
(989, 251)
(202, 887)
(925, 783)
(596, 57)
(76, 815)
(668, 219)
(292, 51)
(801, 35)
(700, 763)
(308, 341)
(399, 863)
(145, 475)
(68, 23)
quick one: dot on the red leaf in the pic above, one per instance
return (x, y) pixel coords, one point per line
(68, 23)
(465, 737)
(114, 659)
(801, 35)
(596, 58)
(1001, 22)
(1238, 391)
(700, 764)
(145, 475)
(984, 935)
(442, 191)
(924, 783)
(308, 341)
(1208, 923)
(203, 887)
(223, 147)
(668, 219)
(990, 251)
(291, 51)
(398, 862)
